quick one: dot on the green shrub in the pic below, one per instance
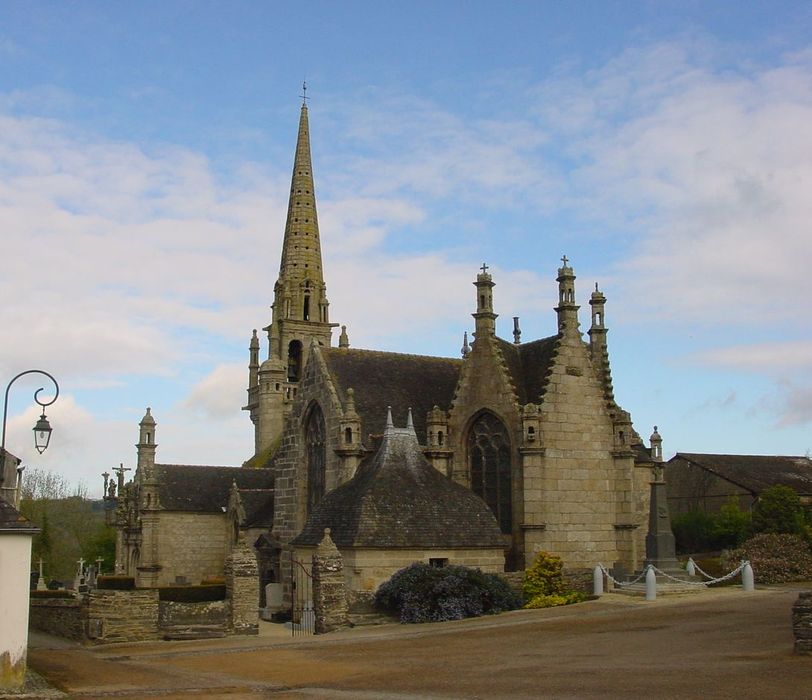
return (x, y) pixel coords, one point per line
(694, 531)
(551, 601)
(192, 594)
(732, 525)
(544, 585)
(775, 558)
(544, 577)
(423, 593)
(779, 510)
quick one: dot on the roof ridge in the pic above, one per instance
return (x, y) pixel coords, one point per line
(453, 360)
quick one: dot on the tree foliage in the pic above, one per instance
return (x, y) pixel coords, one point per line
(698, 531)
(71, 525)
(779, 511)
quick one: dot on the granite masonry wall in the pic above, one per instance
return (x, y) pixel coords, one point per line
(242, 591)
(62, 617)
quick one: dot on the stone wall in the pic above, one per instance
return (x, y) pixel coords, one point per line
(173, 614)
(581, 491)
(192, 545)
(802, 623)
(122, 616)
(366, 569)
(242, 590)
(62, 617)
(329, 587)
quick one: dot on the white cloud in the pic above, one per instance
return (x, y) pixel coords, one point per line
(221, 393)
(776, 358)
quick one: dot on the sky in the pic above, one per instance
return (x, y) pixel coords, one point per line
(145, 158)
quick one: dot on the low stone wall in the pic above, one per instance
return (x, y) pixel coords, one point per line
(63, 617)
(802, 623)
(172, 614)
(122, 616)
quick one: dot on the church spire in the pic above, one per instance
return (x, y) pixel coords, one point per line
(301, 249)
(300, 308)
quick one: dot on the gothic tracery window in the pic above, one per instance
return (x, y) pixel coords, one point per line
(316, 453)
(490, 468)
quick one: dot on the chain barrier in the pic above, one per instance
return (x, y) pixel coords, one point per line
(709, 582)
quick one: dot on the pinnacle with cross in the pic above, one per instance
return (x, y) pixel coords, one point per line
(484, 269)
(304, 96)
(565, 260)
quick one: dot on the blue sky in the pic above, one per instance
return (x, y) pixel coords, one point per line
(145, 155)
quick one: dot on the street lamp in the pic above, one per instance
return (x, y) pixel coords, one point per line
(42, 430)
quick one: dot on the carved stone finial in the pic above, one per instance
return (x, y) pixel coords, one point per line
(409, 421)
(389, 422)
(327, 547)
(343, 339)
(465, 347)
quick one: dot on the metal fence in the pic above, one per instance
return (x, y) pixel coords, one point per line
(303, 616)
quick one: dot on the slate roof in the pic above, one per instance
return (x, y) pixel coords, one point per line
(755, 472)
(382, 379)
(202, 489)
(258, 506)
(14, 522)
(528, 365)
(398, 500)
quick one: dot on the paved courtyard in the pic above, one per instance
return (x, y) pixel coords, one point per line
(718, 644)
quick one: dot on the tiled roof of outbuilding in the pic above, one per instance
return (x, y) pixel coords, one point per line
(755, 472)
(398, 500)
(203, 489)
(11, 520)
(380, 379)
(528, 365)
(258, 506)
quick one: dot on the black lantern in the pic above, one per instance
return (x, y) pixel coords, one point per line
(42, 433)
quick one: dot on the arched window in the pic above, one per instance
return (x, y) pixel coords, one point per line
(316, 453)
(294, 360)
(489, 465)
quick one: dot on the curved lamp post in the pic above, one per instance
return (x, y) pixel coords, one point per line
(42, 430)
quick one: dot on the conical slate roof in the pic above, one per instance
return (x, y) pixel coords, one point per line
(398, 500)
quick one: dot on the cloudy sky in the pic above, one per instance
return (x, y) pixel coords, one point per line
(145, 157)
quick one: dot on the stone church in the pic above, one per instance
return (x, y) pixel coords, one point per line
(529, 429)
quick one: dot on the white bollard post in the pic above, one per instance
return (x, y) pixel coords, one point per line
(597, 580)
(651, 583)
(690, 567)
(748, 580)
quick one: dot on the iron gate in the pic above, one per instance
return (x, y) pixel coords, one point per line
(301, 581)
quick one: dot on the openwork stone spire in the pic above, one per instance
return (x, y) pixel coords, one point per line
(301, 250)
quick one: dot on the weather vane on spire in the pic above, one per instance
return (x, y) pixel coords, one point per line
(304, 92)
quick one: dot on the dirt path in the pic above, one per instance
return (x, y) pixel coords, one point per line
(720, 644)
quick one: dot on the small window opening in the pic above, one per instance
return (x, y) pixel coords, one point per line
(482, 300)
(149, 438)
(622, 437)
(438, 563)
(440, 438)
(348, 435)
(277, 386)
